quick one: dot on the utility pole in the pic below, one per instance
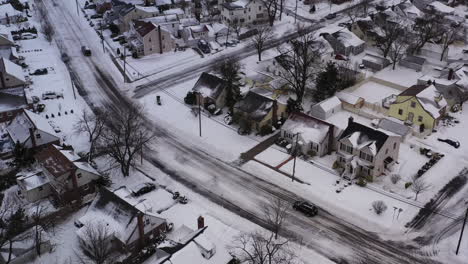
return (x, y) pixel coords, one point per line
(124, 60)
(77, 9)
(102, 37)
(295, 156)
(295, 13)
(199, 111)
(461, 234)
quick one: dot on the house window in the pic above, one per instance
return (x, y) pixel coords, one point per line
(413, 104)
(242, 20)
(245, 12)
(147, 221)
(349, 149)
(386, 151)
(366, 156)
(420, 118)
(78, 175)
(394, 145)
(151, 49)
(9, 114)
(342, 147)
(149, 39)
(38, 135)
(40, 188)
(162, 38)
(400, 111)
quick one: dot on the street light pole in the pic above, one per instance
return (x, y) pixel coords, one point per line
(295, 156)
(199, 112)
(124, 60)
(77, 9)
(461, 234)
(295, 13)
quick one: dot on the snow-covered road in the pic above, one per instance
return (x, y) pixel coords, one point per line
(223, 183)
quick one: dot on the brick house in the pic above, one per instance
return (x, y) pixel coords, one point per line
(149, 38)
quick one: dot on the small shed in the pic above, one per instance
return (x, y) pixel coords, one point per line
(374, 62)
(326, 108)
(349, 101)
(394, 126)
(413, 62)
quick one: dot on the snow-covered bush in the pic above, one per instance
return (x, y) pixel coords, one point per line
(379, 207)
(395, 178)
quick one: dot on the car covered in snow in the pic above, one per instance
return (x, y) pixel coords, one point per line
(51, 95)
(143, 188)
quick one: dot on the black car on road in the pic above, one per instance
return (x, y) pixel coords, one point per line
(143, 188)
(305, 208)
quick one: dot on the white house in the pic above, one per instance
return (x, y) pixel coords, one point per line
(8, 15)
(314, 136)
(245, 12)
(11, 74)
(150, 38)
(34, 186)
(326, 108)
(31, 130)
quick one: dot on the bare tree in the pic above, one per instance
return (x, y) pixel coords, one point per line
(125, 135)
(390, 33)
(12, 225)
(427, 28)
(272, 10)
(48, 30)
(95, 244)
(230, 72)
(419, 186)
(379, 207)
(40, 226)
(259, 248)
(449, 35)
(398, 49)
(264, 34)
(237, 26)
(275, 212)
(301, 65)
(92, 125)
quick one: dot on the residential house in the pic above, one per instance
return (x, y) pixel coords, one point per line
(131, 222)
(70, 177)
(129, 13)
(314, 136)
(259, 111)
(434, 51)
(408, 10)
(210, 89)
(149, 38)
(192, 34)
(350, 102)
(440, 8)
(23, 247)
(366, 30)
(326, 108)
(34, 186)
(11, 75)
(12, 101)
(9, 15)
(366, 152)
(31, 130)
(374, 62)
(245, 12)
(345, 42)
(195, 246)
(169, 22)
(395, 126)
(419, 105)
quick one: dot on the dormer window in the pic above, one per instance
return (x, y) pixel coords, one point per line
(346, 148)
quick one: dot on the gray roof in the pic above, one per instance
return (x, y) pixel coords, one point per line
(255, 105)
(209, 85)
(394, 127)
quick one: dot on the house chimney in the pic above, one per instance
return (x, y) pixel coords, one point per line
(274, 117)
(160, 40)
(33, 137)
(141, 230)
(331, 135)
(450, 74)
(350, 120)
(201, 222)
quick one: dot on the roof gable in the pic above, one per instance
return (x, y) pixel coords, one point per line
(54, 161)
(361, 135)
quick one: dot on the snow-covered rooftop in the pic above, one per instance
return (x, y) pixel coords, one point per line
(442, 8)
(309, 128)
(33, 180)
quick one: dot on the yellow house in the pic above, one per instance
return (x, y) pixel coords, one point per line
(420, 106)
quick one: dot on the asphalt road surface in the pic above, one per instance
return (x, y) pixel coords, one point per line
(223, 182)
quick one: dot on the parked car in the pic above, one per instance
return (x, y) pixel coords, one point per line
(35, 99)
(86, 51)
(96, 16)
(90, 6)
(51, 95)
(203, 46)
(305, 208)
(118, 38)
(42, 71)
(341, 57)
(16, 37)
(143, 188)
(331, 16)
(28, 35)
(91, 24)
(344, 24)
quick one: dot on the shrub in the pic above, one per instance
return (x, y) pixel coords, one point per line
(369, 178)
(190, 98)
(379, 207)
(312, 153)
(395, 178)
(362, 182)
(408, 184)
(265, 130)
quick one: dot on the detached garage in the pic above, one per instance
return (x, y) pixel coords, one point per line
(326, 108)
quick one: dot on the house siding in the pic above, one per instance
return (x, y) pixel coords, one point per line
(404, 103)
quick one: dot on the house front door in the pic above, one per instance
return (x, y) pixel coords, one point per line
(410, 117)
